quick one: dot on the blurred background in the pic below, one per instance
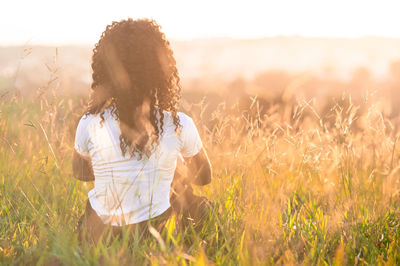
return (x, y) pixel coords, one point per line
(280, 51)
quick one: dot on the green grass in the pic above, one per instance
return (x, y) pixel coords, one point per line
(311, 190)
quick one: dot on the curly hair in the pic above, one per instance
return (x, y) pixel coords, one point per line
(135, 75)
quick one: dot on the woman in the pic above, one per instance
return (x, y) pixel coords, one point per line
(131, 137)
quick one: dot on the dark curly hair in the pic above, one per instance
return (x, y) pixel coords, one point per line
(135, 75)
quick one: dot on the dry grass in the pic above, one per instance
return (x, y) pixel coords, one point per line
(291, 185)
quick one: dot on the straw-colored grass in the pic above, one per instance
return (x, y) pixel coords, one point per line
(300, 188)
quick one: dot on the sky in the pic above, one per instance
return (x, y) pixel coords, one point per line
(57, 22)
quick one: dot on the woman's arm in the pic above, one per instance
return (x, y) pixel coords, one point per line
(196, 170)
(82, 167)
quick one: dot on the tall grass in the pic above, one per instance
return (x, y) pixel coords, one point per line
(290, 185)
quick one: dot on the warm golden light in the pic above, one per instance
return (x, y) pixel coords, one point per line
(288, 112)
(60, 22)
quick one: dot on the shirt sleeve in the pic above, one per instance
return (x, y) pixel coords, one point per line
(190, 138)
(82, 137)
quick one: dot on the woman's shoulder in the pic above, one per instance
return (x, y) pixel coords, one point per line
(88, 119)
(107, 113)
(183, 117)
(85, 121)
(185, 121)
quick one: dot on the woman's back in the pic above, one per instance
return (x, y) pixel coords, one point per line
(130, 138)
(129, 189)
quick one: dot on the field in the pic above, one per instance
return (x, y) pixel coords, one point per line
(312, 180)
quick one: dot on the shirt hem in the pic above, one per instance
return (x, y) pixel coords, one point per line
(105, 218)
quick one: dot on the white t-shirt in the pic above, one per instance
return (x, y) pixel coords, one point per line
(127, 190)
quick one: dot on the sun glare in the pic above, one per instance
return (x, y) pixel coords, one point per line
(66, 22)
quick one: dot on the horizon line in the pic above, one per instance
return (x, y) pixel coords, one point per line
(202, 38)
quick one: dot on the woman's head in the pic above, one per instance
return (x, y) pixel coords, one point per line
(134, 73)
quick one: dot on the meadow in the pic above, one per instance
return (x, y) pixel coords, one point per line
(294, 181)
